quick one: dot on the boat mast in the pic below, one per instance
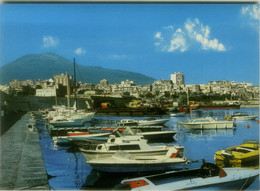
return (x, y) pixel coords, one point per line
(188, 98)
(56, 102)
(68, 90)
(75, 83)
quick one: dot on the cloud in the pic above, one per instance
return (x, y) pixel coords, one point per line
(252, 15)
(80, 51)
(158, 35)
(252, 11)
(201, 34)
(118, 57)
(191, 33)
(50, 41)
(178, 41)
(168, 27)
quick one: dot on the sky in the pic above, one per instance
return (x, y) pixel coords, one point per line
(205, 42)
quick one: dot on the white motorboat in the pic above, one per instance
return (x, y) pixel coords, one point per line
(83, 137)
(71, 119)
(61, 121)
(127, 122)
(209, 176)
(83, 116)
(240, 116)
(144, 122)
(180, 114)
(151, 136)
(133, 144)
(207, 123)
(123, 162)
(152, 121)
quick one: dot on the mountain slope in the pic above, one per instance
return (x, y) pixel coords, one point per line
(45, 66)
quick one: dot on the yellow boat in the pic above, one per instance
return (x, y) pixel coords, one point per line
(245, 154)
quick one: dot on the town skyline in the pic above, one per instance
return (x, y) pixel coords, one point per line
(160, 90)
(152, 39)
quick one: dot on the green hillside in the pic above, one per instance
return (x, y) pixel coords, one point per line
(45, 66)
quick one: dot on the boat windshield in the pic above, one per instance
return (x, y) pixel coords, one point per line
(243, 149)
(124, 147)
(202, 120)
(174, 177)
(250, 142)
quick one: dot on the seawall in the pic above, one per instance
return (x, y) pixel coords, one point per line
(22, 165)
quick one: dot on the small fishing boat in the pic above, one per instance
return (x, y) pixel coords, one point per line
(123, 162)
(241, 117)
(152, 121)
(209, 176)
(133, 144)
(207, 123)
(245, 154)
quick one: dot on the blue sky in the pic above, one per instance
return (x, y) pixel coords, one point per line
(206, 42)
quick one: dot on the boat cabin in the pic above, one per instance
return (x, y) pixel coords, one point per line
(133, 142)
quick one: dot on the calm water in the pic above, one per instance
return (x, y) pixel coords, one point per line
(68, 169)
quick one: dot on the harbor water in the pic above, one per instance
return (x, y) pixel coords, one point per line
(67, 168)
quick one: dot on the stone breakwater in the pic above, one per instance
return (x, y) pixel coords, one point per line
(22, 165)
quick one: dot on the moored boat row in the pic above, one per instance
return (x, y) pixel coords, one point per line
(225, 174)
(126, 160)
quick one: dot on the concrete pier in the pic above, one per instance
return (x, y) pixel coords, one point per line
(21, 161)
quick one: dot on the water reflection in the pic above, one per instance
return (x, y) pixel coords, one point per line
(208, 133)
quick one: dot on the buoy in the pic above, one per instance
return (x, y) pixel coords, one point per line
(258, 121)
(248, 126)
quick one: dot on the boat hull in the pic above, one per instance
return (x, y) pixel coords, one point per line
(90, 155)
(252, 161)
(83, 117)
(242, 118)
(66, 124)
(208, 125)
(206, 107)
(152, 122)
(241, 184)
(135, 167)
(163, 136)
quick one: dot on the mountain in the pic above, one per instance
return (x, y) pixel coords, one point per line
(45, 66)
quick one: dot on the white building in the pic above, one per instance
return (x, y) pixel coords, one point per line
(63, 79)
(47, 92)
(177, 78)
